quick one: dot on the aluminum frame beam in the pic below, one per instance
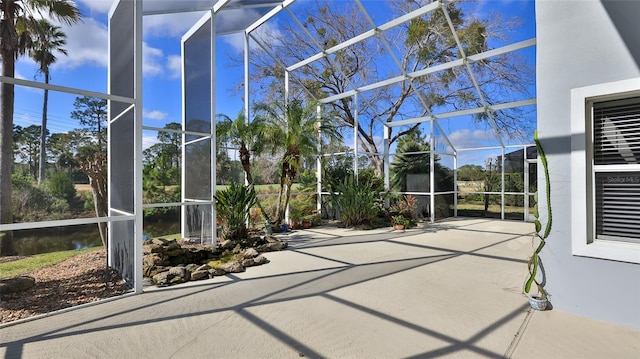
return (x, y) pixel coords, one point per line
(449, 65)
(273, 12)
(368, 34)
(471, 111)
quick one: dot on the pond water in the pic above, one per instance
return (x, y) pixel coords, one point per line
(46, 240)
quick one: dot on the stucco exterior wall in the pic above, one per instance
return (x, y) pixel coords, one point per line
(582, 43)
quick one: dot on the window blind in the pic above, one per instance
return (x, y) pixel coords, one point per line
(616, 141)
(616, 127)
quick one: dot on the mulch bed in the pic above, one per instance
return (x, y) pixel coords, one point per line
(75, 281)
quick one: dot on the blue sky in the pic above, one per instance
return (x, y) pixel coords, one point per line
(86, 66)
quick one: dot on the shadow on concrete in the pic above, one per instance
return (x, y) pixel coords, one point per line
(297, 285)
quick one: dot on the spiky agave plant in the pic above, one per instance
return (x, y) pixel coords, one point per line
(233, 205)
(534, 262)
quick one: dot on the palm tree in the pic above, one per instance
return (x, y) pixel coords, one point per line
(248, 137)
(48, 39)
(17, 24)
(295, 129)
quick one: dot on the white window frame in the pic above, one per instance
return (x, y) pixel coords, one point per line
(583, 241)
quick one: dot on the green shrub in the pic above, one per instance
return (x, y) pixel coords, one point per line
(163, 196)
(88, 201)
(29, 198)
(21, 181)
(232, 205)
(61, 186)
(308, 181)
(356, 202)
(401, 220)
(58, 207)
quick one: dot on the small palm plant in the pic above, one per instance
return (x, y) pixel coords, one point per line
(248, 137)
(233, 205)
(295, 130)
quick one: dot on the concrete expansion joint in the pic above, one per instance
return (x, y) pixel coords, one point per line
(518, 335)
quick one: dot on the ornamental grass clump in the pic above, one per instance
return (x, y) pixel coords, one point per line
(356, 202)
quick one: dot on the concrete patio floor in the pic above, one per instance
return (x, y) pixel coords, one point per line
(451, 290)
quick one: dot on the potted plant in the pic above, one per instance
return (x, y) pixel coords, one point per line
(400, 222)
(306, 221)
(540, 300)
(295, 218)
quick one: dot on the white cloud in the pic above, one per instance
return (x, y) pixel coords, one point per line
(172, 25)
(236, 41)
(100, 6)
(154, 115)
(87, 44)
(268, 30)
(25, 120)
(17, 73)
(151, 60)
(174, 66)
(148, 141)
(466, 138)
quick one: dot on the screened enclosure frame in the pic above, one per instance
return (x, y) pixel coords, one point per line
(125, 127)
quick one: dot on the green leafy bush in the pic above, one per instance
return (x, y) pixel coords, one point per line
(61, 186)
(88, 201)
(308, 181)
(405, 205)
(163, 196)
(58, 207)
(401, 220)
(357, 202)
(29, 198)
(21, 181)
(232, 205)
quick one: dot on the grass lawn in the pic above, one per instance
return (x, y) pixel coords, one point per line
(477, 210)
(22, 266)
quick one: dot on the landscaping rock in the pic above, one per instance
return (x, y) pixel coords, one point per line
(216, 272)
(198, 275)
(227, 244)
(151, 271)
(157, 241)
(174, 252)
(191, 267)
(250, 253)
(161, 278)
(152, 248)
(17, 284)
(272, 245)
(154, 259)
(260, 260)
(177, 280)
(203, 267)
(248, 262)
(233, 267)
(168, 262)
(179, 272)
